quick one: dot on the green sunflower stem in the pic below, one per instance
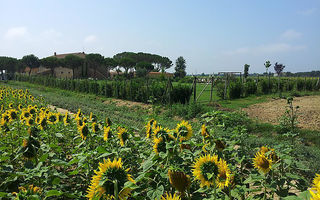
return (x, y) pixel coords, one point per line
(215, 189)
(116, 195)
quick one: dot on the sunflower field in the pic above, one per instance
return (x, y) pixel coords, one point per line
(49, 155)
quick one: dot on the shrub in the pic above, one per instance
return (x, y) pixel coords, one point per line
(235, 90)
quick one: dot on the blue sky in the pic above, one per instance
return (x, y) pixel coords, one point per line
(211, 35)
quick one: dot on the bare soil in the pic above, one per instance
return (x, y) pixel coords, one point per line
(130, 104)
(270, 112)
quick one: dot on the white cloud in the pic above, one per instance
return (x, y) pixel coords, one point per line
(307, 12)
(291, 34)
(266, 49)
(16, 32)
(90, 39)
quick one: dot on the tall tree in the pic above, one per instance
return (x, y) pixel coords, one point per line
(246, 71)
(30, 61)
(143, 68)
(110, 63)
(267, 64)
(279, 68)
(50, 62)
(127, 63)
(180, 69)
(73, 62)
(94, 60)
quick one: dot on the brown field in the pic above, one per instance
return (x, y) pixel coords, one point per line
(270, 112)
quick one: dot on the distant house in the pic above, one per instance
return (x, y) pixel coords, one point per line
(64, 72)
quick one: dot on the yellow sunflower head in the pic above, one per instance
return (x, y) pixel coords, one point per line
(103, 182)
(10, 105)
(123, 135)
(20, 107)
(66, 119)
(204, 131)
(224, 175)
(315, 190)
(269, 153)
(170, 197)
(108, 121)
(95, 127)
(13, 114)
(84, 131)
(43, 122)
(32, 110)
(151, 125)
(159, 131)
(179, 180)
(106, 133)
(53, 118)
(184, 131)
(206, 170)
(159, 145)
(262, 162)
(30, 122)
(25, 114)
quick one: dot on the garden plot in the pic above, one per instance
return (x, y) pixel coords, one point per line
(270, 112)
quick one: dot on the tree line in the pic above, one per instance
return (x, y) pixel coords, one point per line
(141, 63)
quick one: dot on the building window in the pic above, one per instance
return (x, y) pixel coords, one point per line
(61, 72)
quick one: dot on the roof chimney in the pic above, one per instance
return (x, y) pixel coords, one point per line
(55, 53)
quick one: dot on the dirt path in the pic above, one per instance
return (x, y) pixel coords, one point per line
(309, 111)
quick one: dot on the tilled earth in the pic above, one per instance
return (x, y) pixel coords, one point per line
(270, 112)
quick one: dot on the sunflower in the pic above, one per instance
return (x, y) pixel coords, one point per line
(32, 110)
(315, 190)
(179, 180)
(270, 152)
(79, 122)
(204, 131)
(30, 122)
(108, 121)
(84, 131)
(10, 105)
(66, 119)
(159, 131)
(43, 122)
(78, 115)
(224, 175)
(13, 114)
(27, 192)
(150, 126)
(159, 145)
(170, 197)
(106, 133)
(204, 166)
(25, 115)
(95, 127)
(5, 118)
(262, 162)
(102, 183)
(53, 118)
(123, 135)
(184, 131)
(30, 147)
(20, 107)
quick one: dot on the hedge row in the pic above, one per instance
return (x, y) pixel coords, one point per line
(237, 89)
(140, 90)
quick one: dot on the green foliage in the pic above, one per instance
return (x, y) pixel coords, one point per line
(140, 90)
(235, 90)
(246, 71)
(180, 69)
